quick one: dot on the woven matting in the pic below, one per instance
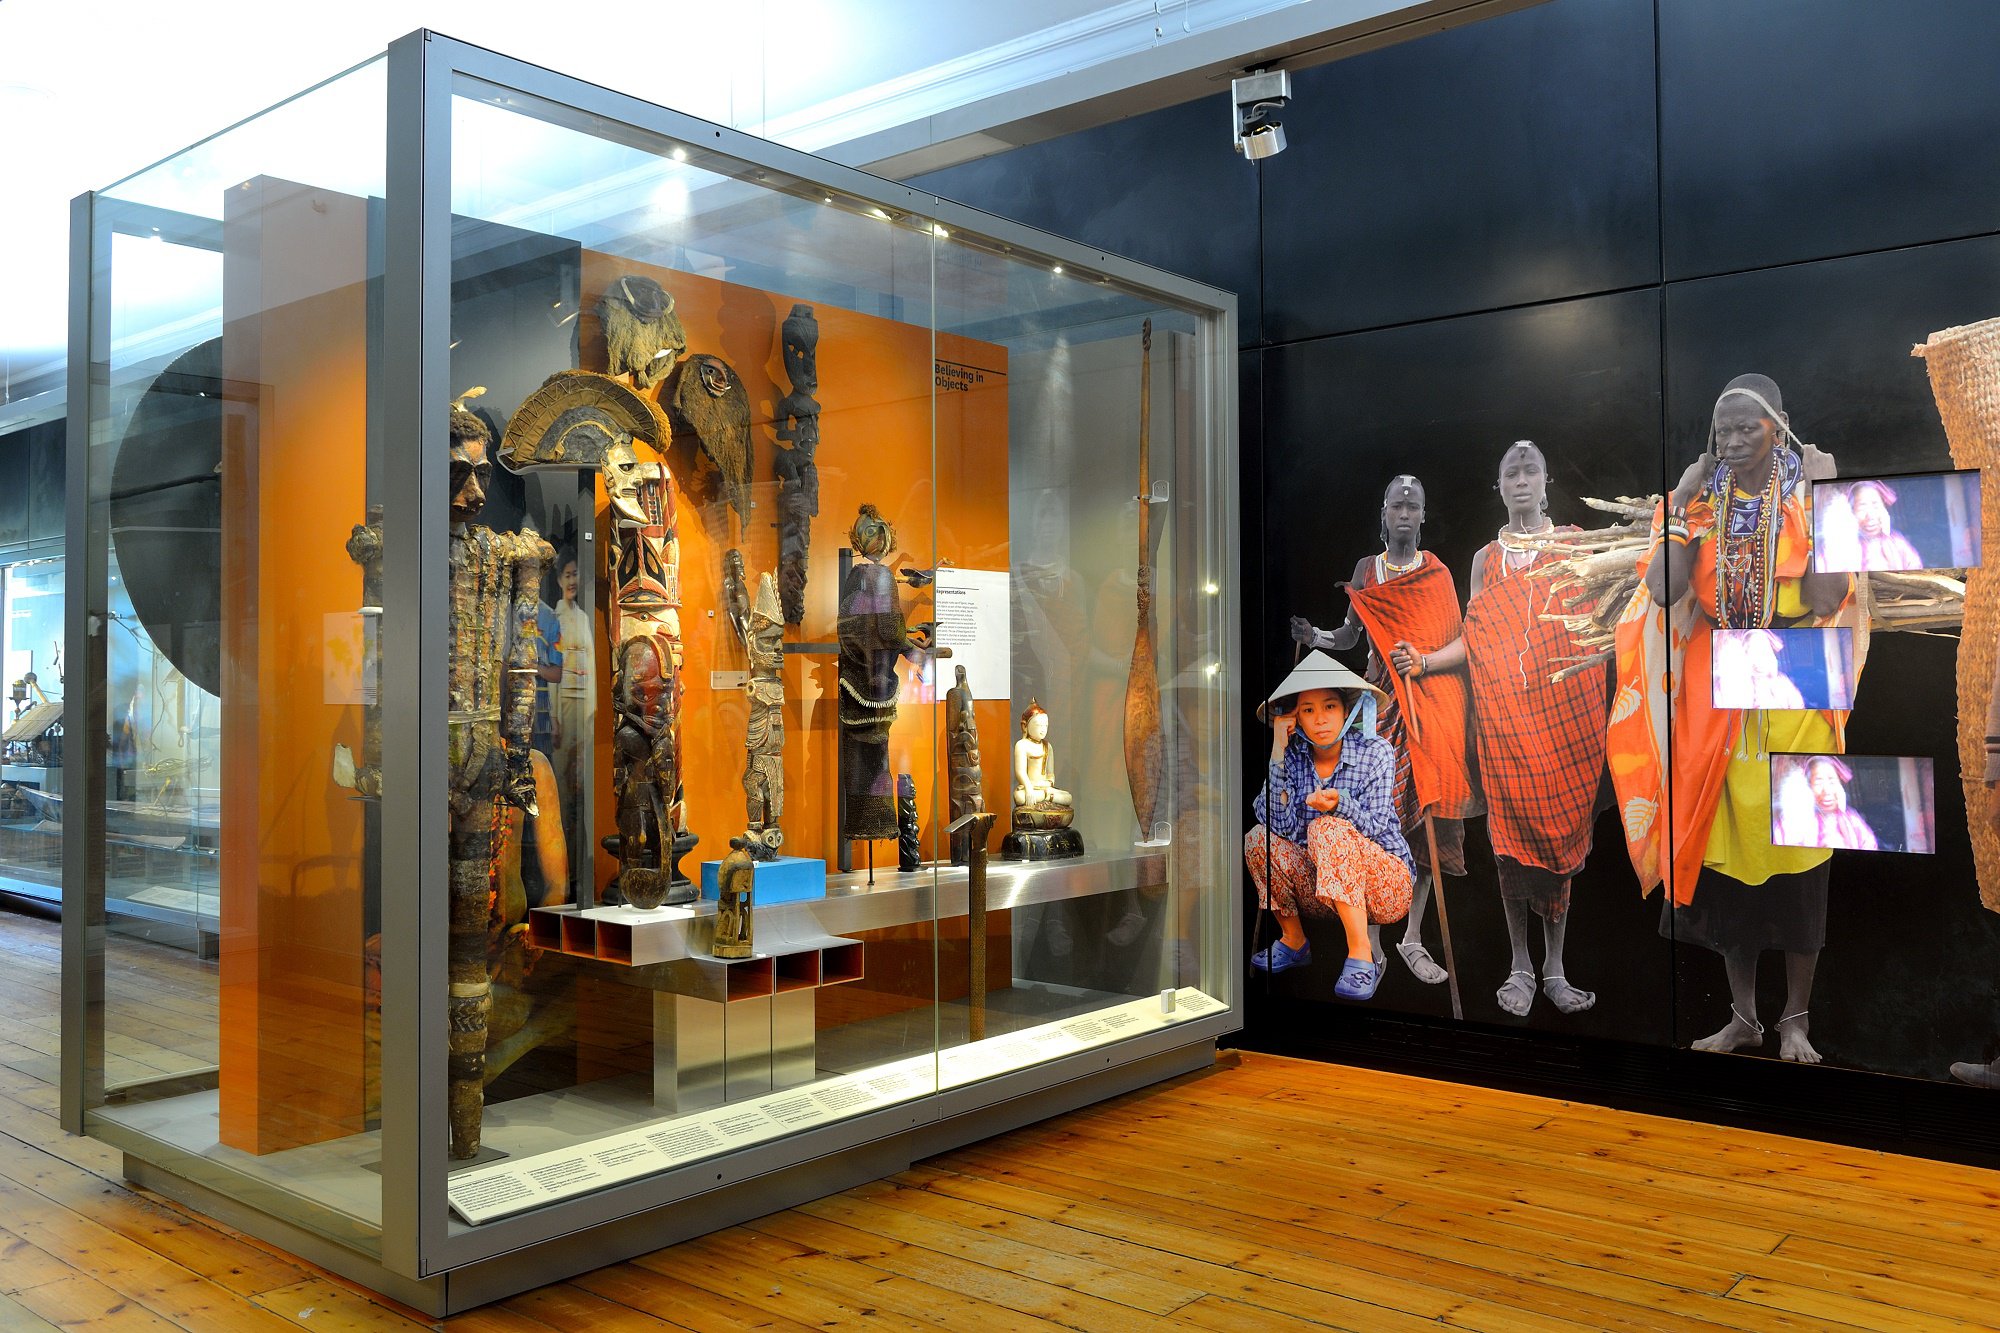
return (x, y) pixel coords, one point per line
(1964, 366)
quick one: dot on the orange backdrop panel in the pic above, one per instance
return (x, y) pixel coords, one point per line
(883, 438)
(294, 336)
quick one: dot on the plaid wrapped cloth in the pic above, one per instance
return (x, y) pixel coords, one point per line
(1426, 719)
(1540, 744)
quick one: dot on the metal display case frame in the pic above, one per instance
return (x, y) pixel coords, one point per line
(427, 1259)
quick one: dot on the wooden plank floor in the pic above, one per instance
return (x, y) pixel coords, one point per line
(1265, 1193)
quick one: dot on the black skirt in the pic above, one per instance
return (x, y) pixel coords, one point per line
(1786, 912)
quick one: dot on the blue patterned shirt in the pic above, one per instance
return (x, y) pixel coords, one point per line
(1365, 777)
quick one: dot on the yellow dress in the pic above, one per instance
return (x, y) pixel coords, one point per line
(1739, 843)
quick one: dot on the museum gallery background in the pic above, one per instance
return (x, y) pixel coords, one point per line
(1575, 224)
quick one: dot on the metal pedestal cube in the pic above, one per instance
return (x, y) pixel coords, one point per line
(723, 1028)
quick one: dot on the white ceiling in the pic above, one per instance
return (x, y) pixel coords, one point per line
(93, 90)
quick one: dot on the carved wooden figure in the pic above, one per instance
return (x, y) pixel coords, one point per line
(495, 583)
(646, 680)
(962, 770)
(795, 465)
(873, 636)
(764, 744)
(735, 880)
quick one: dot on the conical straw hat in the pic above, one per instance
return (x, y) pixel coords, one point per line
(1316, 671)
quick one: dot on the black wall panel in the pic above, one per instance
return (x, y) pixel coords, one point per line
(1443, 400)
(1163, 188)
(1799, 129)
(1500, 163)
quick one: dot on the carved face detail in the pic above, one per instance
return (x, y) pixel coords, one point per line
(1037, 726)
(623, 476)
(471, 474)
(801, 339)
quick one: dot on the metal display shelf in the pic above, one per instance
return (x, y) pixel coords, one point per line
(897, 898)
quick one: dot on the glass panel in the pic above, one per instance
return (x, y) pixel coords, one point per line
(233, 304)
(31, 755)
(1076, 466)
(749, 363)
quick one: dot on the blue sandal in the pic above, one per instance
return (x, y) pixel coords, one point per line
(1358, 980)
(1279, 956)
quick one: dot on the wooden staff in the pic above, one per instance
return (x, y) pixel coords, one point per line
(1437, 874)
(1142, 682)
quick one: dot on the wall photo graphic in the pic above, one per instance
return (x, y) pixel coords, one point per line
(1573, 650)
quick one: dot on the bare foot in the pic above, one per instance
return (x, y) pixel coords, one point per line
(1422, 966)
(1792, 1043)
(1517, 993)
(1567, 998)
(1733, 1037)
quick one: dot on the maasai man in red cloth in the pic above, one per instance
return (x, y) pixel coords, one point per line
(1406, 601)
(1540, 740)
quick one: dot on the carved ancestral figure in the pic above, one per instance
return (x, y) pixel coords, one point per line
(736, 595)
(495, 584)
(764, 744)
(643, 336)
(796, 468)
(646, 684)
(873, 636)
(961, 747)
(735, 879)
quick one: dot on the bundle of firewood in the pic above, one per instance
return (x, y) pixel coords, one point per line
(1596, 574)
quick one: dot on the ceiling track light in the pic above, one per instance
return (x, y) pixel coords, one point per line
(1255, 99)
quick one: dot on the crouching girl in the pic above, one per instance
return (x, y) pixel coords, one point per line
(1328, 843)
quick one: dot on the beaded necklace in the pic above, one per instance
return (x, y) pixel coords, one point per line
(1386, 566)
(1745, 563)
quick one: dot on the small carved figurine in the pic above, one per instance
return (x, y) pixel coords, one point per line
(1043, 811)
(962, 769)
(735, 879)
(909, 836)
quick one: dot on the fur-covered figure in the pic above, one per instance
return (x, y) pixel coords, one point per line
(709, 400)
(643, 336)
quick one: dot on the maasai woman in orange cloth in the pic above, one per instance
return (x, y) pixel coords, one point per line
(1540, 740)
(1733, 547)
(1407, 602)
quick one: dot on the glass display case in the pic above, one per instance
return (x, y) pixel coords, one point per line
(700, 675)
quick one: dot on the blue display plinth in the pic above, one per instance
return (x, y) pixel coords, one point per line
(788, 879)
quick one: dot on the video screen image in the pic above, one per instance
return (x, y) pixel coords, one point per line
(1784, 668)
(1854, 802)
(1930, 521)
